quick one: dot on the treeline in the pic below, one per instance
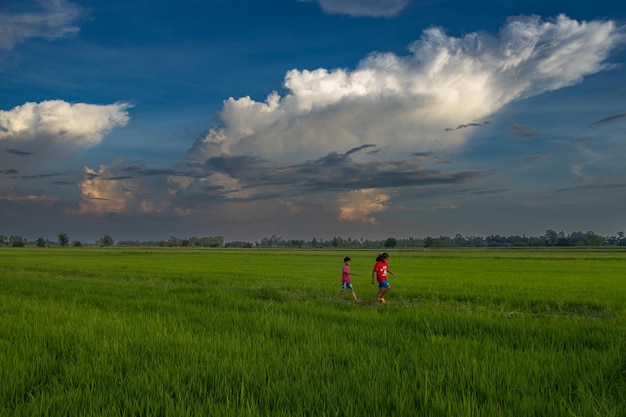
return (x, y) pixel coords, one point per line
(106, 240)
(550, 238)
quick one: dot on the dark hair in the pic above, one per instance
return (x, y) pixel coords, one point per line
(346, 259)
(381, 256)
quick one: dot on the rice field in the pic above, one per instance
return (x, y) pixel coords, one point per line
(238, 332)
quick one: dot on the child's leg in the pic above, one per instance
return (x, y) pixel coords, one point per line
(385, 291)
(353, 295)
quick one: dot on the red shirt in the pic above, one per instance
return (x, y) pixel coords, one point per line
(381, 270)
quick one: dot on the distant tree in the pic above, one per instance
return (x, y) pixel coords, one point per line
(77, 243)
(594, 240)
(213, 241)
(16, 241)
(3, 240)
(577, 239)
(63, 239)
(41, 243)
(271, 242)
(475, 241)
(391, 242)
(551, 237)
(106, 240)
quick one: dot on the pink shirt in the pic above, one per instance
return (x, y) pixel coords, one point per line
(345, 274)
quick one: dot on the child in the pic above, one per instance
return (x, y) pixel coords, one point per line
(380, 273)
(345, 278)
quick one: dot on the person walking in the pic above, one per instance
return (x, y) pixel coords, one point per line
(381, 269)
(346, 281)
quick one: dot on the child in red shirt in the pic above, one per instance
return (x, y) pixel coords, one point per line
(380, 274)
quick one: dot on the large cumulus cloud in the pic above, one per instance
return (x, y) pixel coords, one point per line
(347, 129)
(407, 101)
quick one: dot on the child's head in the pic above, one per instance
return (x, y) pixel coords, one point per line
(346, 260)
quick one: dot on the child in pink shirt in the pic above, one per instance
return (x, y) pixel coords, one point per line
(345, 278)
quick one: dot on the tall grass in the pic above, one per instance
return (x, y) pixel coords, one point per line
(117, 332)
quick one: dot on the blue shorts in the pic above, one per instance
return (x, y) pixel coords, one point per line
(384, 284)
(345, 285)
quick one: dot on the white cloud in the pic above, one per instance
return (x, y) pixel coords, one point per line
(51, 20)
(365, 8)
(60, 122)
(360, 205)
(406, 102)
(113, 189)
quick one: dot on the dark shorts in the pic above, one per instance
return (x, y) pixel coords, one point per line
(345, 285)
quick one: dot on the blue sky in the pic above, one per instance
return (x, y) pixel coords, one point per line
(363, 119)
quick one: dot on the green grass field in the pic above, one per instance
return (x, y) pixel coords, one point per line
(233, 332)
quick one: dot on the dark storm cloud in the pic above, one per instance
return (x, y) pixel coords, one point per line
(121, 178)
(141, 171)
(610, 119)
(64, 183)
(423, 154)
(18, 152)
(360, 148)
(332, 172)
(465, 126)
(251, 171)
(39, 176)
(489, 192)
(234, 165)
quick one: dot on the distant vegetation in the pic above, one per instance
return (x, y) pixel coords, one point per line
(550, 238)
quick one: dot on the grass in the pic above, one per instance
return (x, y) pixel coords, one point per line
(164, 332)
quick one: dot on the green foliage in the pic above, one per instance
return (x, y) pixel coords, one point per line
(223, 332)
(391, 243)
(106, 240)
(63, 239)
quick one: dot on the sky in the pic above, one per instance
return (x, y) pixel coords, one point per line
(304, 119)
